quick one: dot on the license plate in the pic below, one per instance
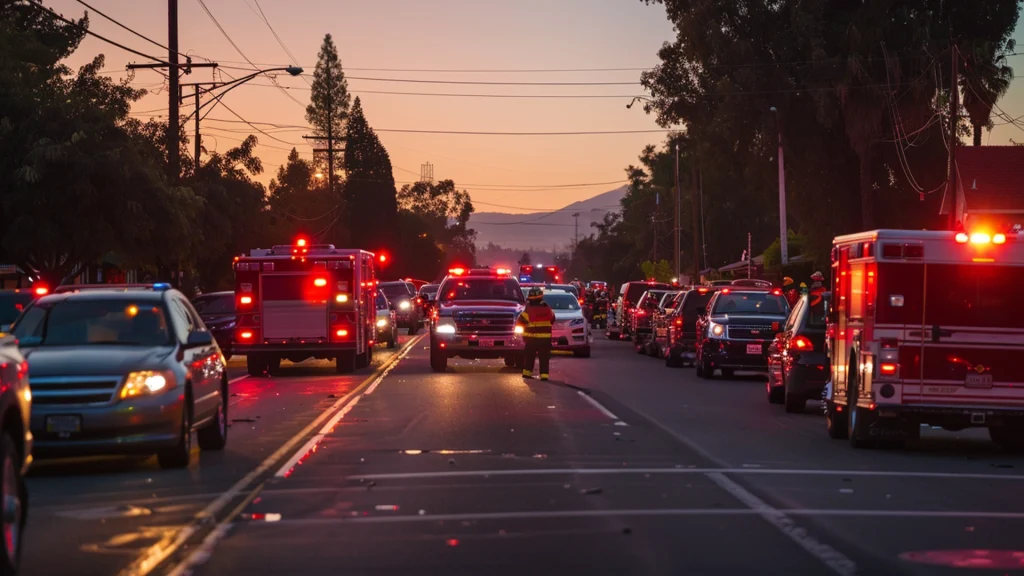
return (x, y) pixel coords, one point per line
(976, 380)
(63, 424)
(753, 348)
(486, 343)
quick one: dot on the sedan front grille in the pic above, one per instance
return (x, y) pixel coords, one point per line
(73, 389)
(485, 322)
(750, 332)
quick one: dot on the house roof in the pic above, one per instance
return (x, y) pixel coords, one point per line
(991, 177)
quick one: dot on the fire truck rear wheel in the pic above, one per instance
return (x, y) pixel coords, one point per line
(857, 418)
(274, 364)
(1009, 438)
(345, 363)
(255, 364)
(438, 361)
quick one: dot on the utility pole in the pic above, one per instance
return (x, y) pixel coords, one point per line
(576, 238)
(173, 95)
(696, 225)
(197, 138)
(750, 256)
(679, 207)
(954, 119)
(783, 229)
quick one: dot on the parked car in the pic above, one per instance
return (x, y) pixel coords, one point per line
(739, 325)
(408, 306)
(662, 322)
(570, 330)
(629, 295)
(15, 450)
(679, 345)
(798, 364)
(123, 370)
(642, 327)
(217, 310)
(14, 301)
(387, 324)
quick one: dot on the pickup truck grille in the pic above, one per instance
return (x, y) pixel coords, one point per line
(485, 322)
(750, 332)
(73, 389)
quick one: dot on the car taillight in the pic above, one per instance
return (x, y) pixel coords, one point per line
(245, 300)
(245, 335)
(679, 321)
(803, 344)
(341, 333)
(888, 357)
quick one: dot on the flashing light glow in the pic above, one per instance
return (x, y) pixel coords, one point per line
(320, 282)
(245, 335)
(300, 242)
(132, 311)
(777, 292)
(980, 238)
(962, 238)
(702, 290)
(802, 343)
(983, 260)
(999, 239)
(503, 271)
(887, 368)
(41, 290)
(726, 291)
(341, 298)
(383, 258)
(457, 271)
(518, 330)
(245, 300)
(341, 333)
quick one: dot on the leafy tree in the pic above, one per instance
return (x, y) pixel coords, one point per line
(446, 211)
(329, 100)
(370, 194)
(78, 179)
(299, 203)
(985, 80)
(661, 270)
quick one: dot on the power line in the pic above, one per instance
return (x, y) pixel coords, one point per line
(579, 133)
(140, 35)
(256, 128)
(239, 50)
(93, 34)
(460, 95)
(477, 70)
(483, 83)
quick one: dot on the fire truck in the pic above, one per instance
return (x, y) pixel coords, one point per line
(924, 327)
(303, 301)
(539, 274)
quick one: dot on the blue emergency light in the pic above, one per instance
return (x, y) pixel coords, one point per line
(161, 286)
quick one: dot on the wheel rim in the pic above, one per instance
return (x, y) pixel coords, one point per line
(11, 508)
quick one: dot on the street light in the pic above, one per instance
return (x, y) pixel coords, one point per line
(293, 70)
(783, 240)
(636, 99)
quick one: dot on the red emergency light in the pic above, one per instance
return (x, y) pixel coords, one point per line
(726, 290)
(777, 292)
(980, 238)
(245, 300)
(341, 333)
(320, 282)
(41, 290)
(456, 271)
(383, 258)
(301, 242)
(245, 335)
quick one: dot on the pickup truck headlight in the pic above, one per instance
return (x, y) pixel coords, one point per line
(716, 330)
(404, 305)
(445, 326)
(146, 383)
(382, 322)
(518, 329)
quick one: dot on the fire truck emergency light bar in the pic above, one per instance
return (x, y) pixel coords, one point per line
(288, 250)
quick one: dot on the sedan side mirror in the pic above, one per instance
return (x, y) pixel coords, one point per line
(198, 339)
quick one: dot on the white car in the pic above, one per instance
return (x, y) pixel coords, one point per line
(570, 330)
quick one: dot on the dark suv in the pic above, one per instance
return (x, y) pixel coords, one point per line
(737, 328)
(408, 305)
(678, 341)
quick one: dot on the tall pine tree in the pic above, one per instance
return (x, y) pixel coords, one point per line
(370, 195)
(329, 103)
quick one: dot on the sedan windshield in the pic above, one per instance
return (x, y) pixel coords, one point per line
(561, 301)
(94, 322)
(395, 290)
(750, 303)
(211, 304)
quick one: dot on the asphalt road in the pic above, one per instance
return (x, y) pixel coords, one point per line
(618, 465)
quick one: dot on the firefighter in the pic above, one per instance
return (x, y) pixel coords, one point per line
(789, 289)
(536, 321)
(817, 288)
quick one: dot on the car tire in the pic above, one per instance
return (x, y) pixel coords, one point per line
(794, 404)
(178, 456)
(14, 494)
(214, 436)
(345, 363)
(672, 360)
(1009, 438)
(255, 364)
(274, 365)
(835, 421)
(705, 370)
(857, 423)
(584, 353)
(438, 361)
(510, 361)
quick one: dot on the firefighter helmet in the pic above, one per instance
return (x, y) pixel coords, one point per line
(787, 283)
(818, 277)
(535, 295)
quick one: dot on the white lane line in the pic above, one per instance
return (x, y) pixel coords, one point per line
(670, 471)
(602, 409)
(556, 514)
(202, 554)
(380, 378)
(151, 557)
(237, 379)
(827, 555)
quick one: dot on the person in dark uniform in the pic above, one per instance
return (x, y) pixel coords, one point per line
(790, 291)
(536, 321)
(817, 288)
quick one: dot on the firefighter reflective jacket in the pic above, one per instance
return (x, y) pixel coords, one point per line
(536, 320)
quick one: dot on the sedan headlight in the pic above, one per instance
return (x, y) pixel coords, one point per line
(445, 326)
(382, 323)
(146, 383)
(404, 305)
(716, 330)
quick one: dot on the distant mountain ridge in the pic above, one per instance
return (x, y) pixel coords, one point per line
(544, 230)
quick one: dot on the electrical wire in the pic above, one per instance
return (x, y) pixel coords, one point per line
(143, 37)
(254, 127)
(53, 14)
(483, 83)
(278, 38)
(462, 132)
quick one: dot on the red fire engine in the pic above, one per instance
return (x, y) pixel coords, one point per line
(925, 328)
(305, 301)
(539, 274)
